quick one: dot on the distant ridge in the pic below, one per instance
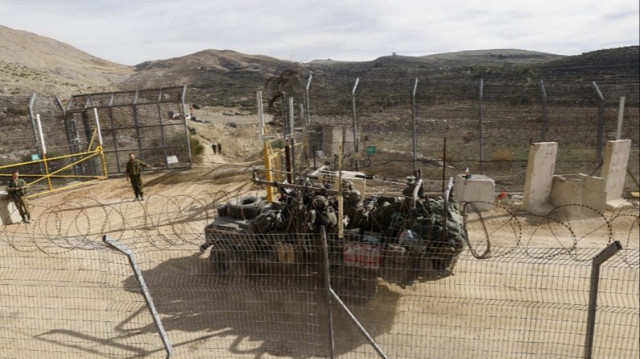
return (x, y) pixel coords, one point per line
(33, 63)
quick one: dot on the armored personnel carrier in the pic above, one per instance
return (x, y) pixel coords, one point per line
(400, 239)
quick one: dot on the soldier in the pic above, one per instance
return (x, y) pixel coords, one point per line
(353, 207)
(214, 147)
(133, 172)
(17, 190)
(322, 214)
(219, 148)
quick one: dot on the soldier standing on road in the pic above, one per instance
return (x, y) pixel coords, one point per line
(133, 172)
(17, 190)
(219, 148)
(214, 146)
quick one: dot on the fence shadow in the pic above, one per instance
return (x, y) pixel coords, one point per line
(286, 313)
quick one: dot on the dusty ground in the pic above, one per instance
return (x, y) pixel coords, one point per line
(178, 204)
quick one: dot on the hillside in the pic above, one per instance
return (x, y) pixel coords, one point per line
(32, 63)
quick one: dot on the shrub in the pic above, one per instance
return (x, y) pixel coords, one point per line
(197, 149)
(467, 137)
(17, 110)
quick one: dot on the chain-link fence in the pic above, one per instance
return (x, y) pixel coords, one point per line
(89, 136)
(485, 125)
(521, 288)
(479, 121)
(150, 123)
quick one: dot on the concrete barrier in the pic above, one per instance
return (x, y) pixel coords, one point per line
(580, 190)
(614, 172)
(8, 212)
(537, 185)
(478, 188)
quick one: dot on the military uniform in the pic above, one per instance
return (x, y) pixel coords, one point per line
(17, 191)
(133, 171)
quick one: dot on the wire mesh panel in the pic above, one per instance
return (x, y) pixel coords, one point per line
(488, 120)
(60, 302)
(519, 289)
(149, 123)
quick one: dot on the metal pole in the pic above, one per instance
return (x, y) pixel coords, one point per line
(543, 97)
(481, 132)
(293, 139)
(444, 162)
(44, 152)
(287, 160)
(260, 113)
(306, 98)
(358, 325)
(162, 134)
(600, 258)
(145, 291)
(186, 127)
(413, 113)
(134, 108)
(113, 133)
(355, 121)
(620, 117)
(327, 286)
(265, 145)
(104, 162)
(445, 210)
(600, 122)
(32, 100)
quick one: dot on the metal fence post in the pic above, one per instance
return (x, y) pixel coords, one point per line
(600, 139)
(481, 132)
(327, 286)
(307, 100)
(186, 127)
(355, 121)
(543, 98)
(145, 291)
(413, 114)
(620, 118)
(602, 257)
(162, 134)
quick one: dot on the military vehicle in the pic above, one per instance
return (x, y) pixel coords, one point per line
(400, 239)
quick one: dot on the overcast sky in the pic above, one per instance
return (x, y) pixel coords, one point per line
(133, 31)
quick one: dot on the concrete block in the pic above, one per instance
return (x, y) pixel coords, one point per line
(332, 138)
(614, 167)
(540, 168)
(567, 190)
(479, 188)
(581, 190)
(619, 203)
(593, 183)
(8, 212)
(593, 194)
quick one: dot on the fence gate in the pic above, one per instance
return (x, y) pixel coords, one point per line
(150, 123)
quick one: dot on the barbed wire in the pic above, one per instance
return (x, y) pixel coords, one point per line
(562, 217)
(164, 222)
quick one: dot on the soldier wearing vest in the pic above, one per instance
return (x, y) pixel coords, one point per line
(133, 175)
(17, 190)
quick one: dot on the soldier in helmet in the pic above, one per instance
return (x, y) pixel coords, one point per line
(322, 214)
(353, 207)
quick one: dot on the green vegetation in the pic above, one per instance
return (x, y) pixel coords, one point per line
(197, 149)
(17, 110)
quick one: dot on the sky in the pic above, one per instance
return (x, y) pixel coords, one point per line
(130, 32)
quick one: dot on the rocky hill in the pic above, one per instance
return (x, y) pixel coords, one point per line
(31, 63)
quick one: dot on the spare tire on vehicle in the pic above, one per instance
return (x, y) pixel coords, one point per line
(245, 207)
